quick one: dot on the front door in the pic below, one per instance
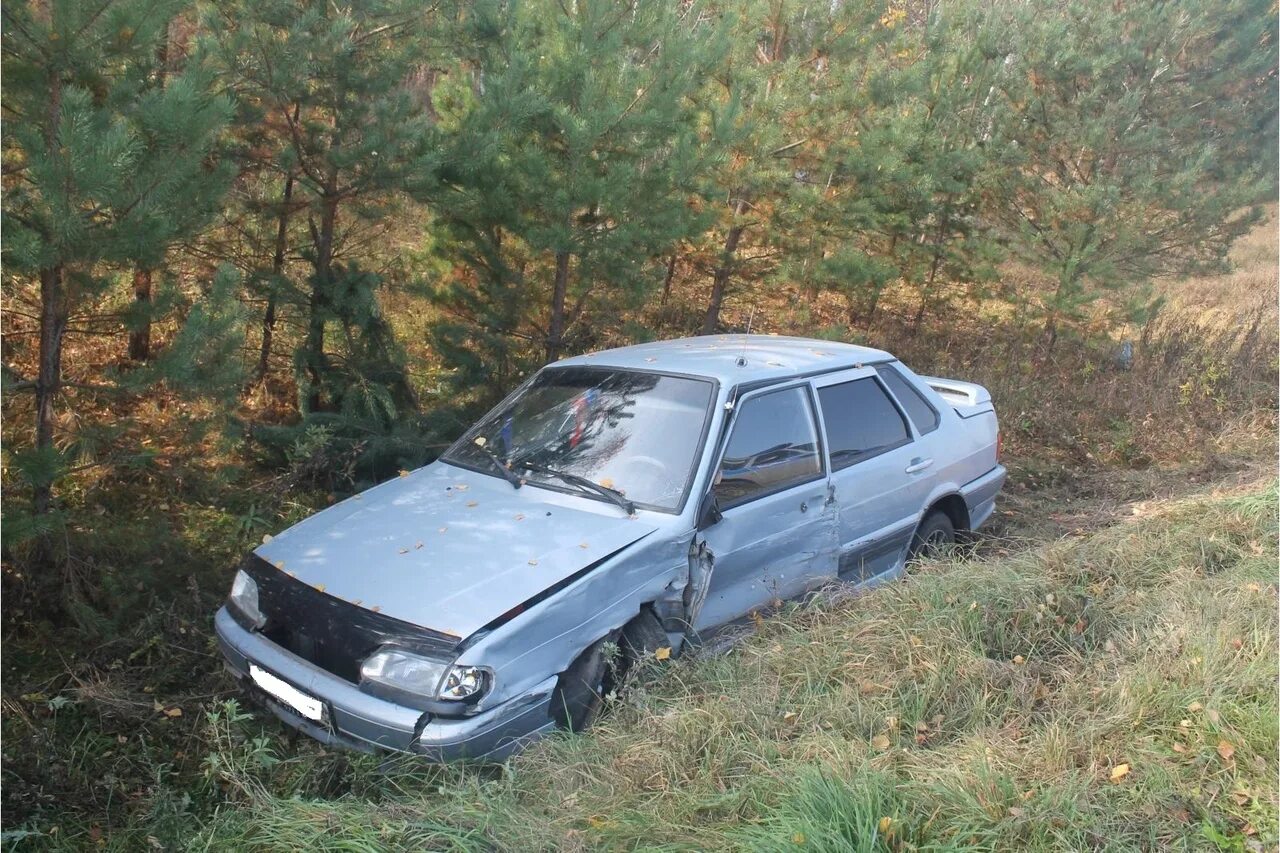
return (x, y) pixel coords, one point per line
(776, 536)
(880, 479)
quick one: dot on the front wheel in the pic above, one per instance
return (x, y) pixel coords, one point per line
(934, 536)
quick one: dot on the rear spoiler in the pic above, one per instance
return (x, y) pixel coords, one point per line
(967, 398)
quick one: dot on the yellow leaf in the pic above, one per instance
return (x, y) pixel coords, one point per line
(1195, 706)
(481, 441)
(798, 838)
(607, 482)
(916, 641)
(1226, 749)
(662, 653)
(880, 742)
(1119, 772)
(790, 717)
(320, 587)
(886, 825)
(173, 712)
(1178, 747)
(404, 473)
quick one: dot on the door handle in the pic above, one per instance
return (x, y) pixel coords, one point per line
(917, 465)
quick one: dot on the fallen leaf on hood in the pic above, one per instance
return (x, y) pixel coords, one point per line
(266, 537)
(607, 482)
(376, 609)
(533, 562)
(662, 653)
(357, 602)
(404, 550)
(480, 441)
(583, 545)
(519, 516)
(417, 546)
(1226, 749)
(443, 529)
(473, 503)
(279, 564)
(1119, 772)
(320, 587)
(462, 487)
(880, 742)
(404, 473)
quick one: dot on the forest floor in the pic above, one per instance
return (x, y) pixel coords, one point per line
(1100, 671)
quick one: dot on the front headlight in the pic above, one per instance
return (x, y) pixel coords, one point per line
(396, 672)
(244, 597)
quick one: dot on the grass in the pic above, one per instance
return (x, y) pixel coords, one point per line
(1116, 690)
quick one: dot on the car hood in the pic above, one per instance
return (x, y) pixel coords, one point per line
(450, 549)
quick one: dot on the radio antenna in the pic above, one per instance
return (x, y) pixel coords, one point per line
(742, 357)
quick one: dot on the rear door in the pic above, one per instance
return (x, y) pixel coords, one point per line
(776, 536)
(880, 478)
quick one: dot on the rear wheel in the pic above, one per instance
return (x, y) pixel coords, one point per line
(935, 535)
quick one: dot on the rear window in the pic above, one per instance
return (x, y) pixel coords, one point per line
(861, 421)
(923, 415)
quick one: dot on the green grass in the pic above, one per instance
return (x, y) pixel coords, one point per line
(980, 704)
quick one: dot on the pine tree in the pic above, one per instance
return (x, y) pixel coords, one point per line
(335, 81)
(104, 167)
(573, 167)
(1134, 131)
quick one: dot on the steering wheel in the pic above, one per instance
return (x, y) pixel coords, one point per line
(655, 465)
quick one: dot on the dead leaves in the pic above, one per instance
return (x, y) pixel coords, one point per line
(1119, 772)
(662, 653)
(880, 742)
(1226, 749)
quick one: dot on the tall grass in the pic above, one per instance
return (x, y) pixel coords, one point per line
(1116, 691)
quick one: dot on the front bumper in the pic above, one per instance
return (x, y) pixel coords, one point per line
(367, 723)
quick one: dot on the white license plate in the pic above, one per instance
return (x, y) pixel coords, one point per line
(308, 706)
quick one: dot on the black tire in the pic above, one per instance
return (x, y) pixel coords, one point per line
(580, 691)
(596, 673)
(935, 535)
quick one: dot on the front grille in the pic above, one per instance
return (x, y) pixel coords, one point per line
(333, 634)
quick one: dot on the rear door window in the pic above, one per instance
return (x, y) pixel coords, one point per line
(861, 421)
(923, 415)
(774, 445)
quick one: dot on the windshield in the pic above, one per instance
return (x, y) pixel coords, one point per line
(634, 432)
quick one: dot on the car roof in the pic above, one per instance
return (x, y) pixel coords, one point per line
(735, 359)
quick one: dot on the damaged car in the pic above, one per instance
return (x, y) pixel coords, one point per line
(616, 506)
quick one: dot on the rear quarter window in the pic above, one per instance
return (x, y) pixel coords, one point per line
(922, 414)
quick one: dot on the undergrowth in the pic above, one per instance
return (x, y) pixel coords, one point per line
(1112, 691)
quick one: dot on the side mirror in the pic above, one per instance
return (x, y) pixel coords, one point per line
(709, 511)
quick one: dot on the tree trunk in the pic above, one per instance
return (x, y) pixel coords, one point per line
(53, 323)
(720, 279)
(560, 289)
(666, 281)
(277, 269)
(140, 338)
(320, 291)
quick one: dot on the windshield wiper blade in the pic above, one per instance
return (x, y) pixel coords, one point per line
(507, 474)
(583, 483)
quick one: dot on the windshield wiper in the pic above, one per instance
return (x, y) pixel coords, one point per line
(583, 483)
(507, 474)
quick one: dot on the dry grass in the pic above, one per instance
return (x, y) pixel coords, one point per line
(1115, 691)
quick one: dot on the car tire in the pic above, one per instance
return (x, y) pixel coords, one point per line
(935, 535)
(580, 690)
(596, 673)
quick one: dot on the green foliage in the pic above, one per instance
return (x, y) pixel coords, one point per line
(572, 161)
